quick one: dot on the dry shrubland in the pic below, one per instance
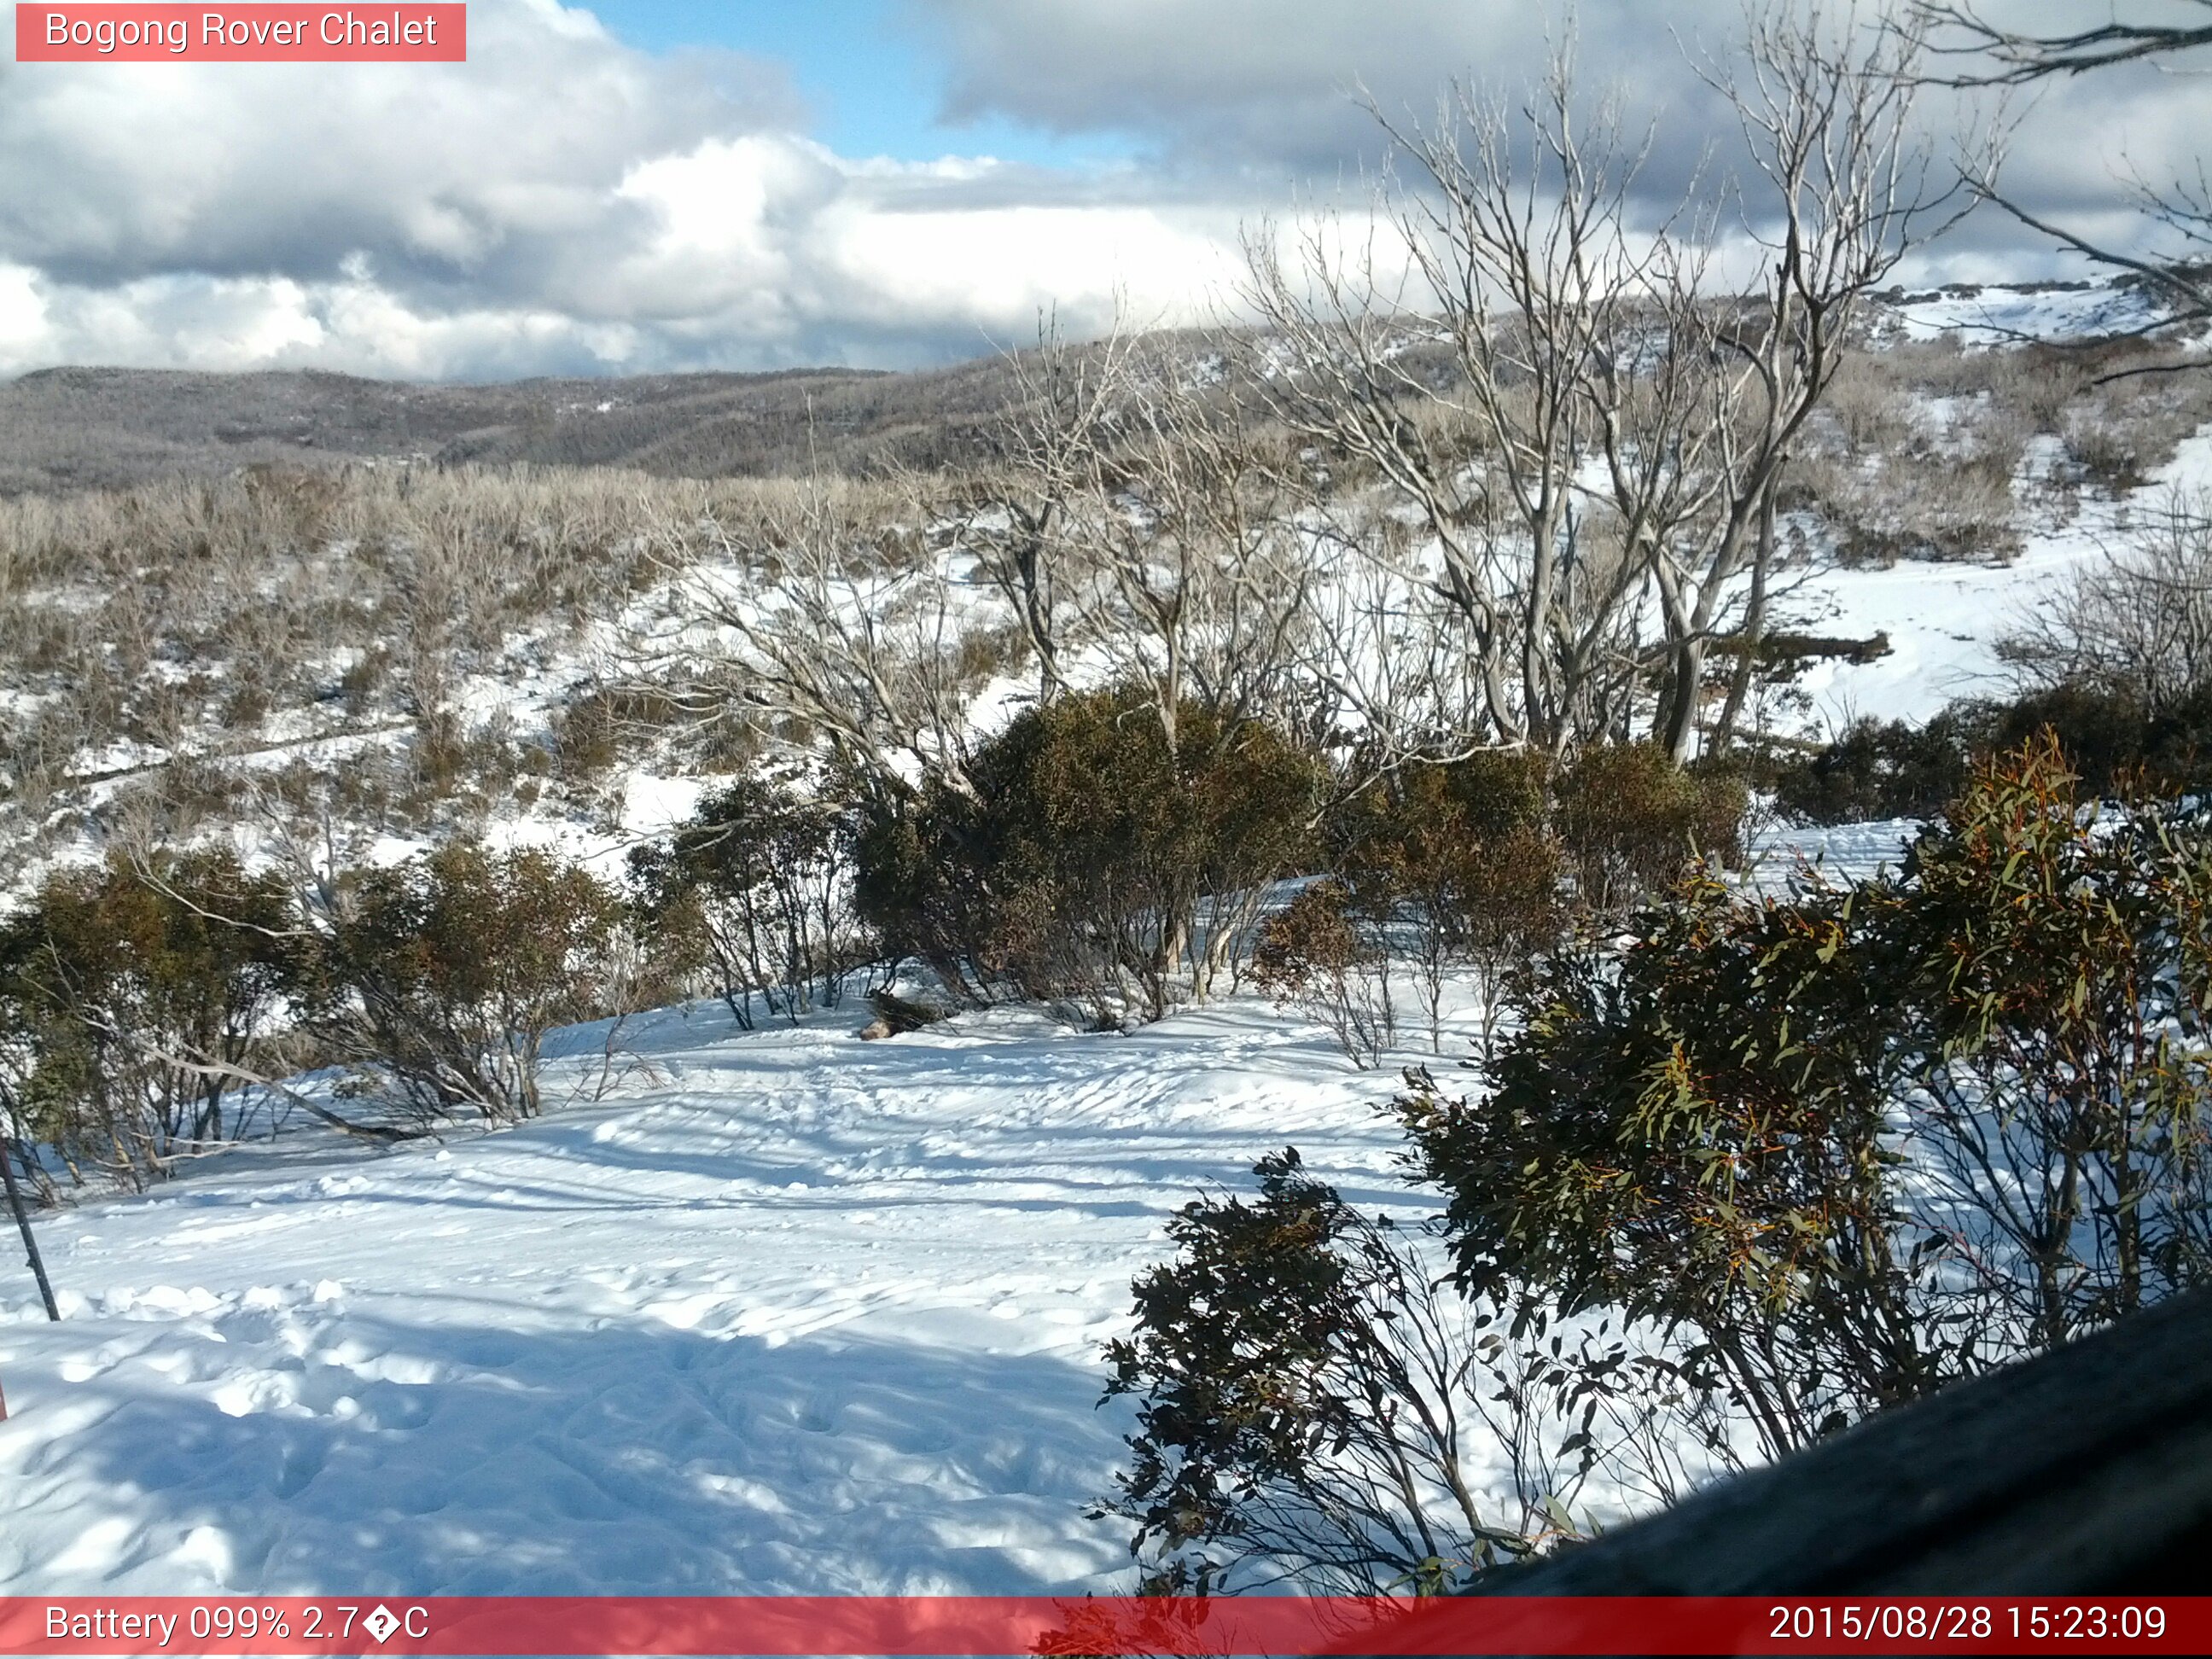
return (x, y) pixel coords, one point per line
(186, 623)
(1933, 449)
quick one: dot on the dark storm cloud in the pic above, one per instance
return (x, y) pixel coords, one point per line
(1269, 90)
(563, 202)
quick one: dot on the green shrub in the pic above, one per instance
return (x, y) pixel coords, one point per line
(762, 877)
(1314, 955)
(1881, 770)
(1630, 819)
(1453, 864)
(2112, 739)
(1872, 1137)
(1775, 1162)
(131, 1002)
(438, 980)
(1307, 1404)
(1091, 862)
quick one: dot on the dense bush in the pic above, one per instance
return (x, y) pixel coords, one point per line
(1803, 1155)
(1880, 769)
(2113, 742)
(1706, 1130)
(1630, 819)
(2112, 739)
(2047, 966)
(1453, 865)
(1689, 1134)
(1307, 1405)
(439, 979)
(760, 881)
(131, 1001)
(1091, 861)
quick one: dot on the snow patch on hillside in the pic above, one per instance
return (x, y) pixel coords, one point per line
(2007, 313)
(1944, 620)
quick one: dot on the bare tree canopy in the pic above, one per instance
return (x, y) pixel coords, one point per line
(2018, 57)
(2180, 208)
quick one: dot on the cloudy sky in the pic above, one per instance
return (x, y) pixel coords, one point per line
(646, 185)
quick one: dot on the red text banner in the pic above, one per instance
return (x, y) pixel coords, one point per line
(259, 34)
(962, 1626)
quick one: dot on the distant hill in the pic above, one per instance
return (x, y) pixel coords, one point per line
(74, 428)
(69, 428)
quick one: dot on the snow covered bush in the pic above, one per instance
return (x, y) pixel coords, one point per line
(132, 1001)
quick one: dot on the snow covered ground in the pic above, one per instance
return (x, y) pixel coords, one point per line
(1944, 619)
(792, 1313)
(784, 1312)
(2001, 313)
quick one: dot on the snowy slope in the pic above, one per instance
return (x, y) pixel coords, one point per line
(2001, 313)
(1944, 619)
(794, 1312)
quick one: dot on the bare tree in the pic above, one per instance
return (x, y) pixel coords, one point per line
(825, 618)
(1589, 425)
(1506, 251)
(1193, 578)
(2138, 622)
(2182, 206)
(1015, 514)
(2019, 56)
(1842, 189)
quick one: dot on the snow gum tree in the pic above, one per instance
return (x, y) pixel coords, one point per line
(1589, 421)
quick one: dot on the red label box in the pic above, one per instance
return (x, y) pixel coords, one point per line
(802, 1626)
(259, 33)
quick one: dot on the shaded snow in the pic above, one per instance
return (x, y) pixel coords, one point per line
(793, 1313)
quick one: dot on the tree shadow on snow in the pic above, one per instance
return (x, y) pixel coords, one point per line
(392, 1458)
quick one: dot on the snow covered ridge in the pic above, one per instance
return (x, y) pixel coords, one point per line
(452, 652)
(2013, 313)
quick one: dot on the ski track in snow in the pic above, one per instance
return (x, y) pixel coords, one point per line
(795, 1314)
